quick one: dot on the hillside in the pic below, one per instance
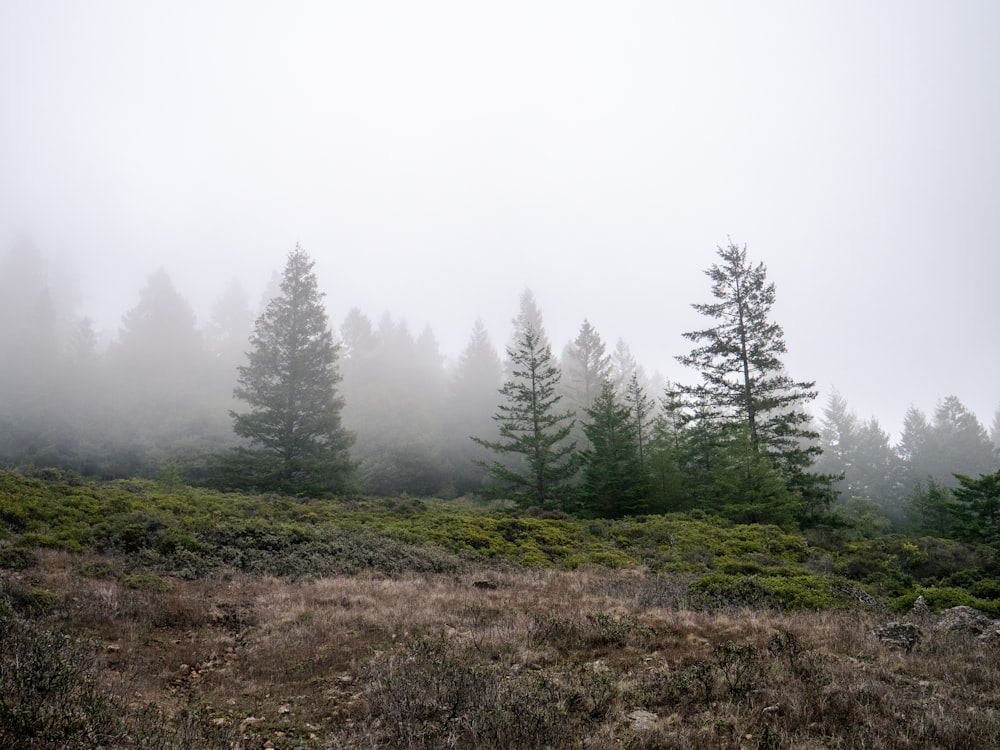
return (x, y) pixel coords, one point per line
(161, 616)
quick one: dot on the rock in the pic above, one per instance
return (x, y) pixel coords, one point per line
(899, 635)
(991, 635)
(920, 609)
(964, 619)
(642, 719)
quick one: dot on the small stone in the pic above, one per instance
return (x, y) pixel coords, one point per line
(642, 719)
(920, 608)
(899, 635)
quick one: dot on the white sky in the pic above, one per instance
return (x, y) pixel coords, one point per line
(436, 158)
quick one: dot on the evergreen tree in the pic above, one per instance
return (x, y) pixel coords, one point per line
(532, 431)
(32, 385)
(995, 432)
(296, 441)
(641, 415)
(614, 481)
(669, 459)
(914, 447)
(977, 508)
(876, 470)
(839, 437)
(471, 401)
(230, 327)
(624, 366)
(357, 338)
(395, 388)
(960, 443)
(585, 367)
(159, 392)
(954, 442)
(929, 510)
(744, 395)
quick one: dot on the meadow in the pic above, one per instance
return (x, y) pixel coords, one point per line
(137, 614)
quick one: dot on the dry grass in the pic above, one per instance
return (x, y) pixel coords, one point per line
(498, 659)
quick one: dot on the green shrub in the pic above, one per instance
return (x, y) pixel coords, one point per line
(48, 697)
(34, 601)
(945, 597)
(146, 582)
(804, 591)
(102, 570)
(16, 558)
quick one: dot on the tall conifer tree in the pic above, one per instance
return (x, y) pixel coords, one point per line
(745, 395)
(614, 481)
(296, 441)
(533, 431)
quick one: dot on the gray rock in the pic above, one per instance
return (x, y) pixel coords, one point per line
(642, 719)
(964, 619)
(899, 635)
(920, 609)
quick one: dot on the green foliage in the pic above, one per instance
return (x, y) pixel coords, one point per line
(33, 600)
(293, 426)
(614, 483)
(532, 432)
(146, 581)
(803, 591)
(47, 695)
(977, 508)
(16, 558)
(199, 532)
(938, 598)
(864, 517)
(755, 443)
(930, 509)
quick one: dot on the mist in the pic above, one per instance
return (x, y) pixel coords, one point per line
(437, 160)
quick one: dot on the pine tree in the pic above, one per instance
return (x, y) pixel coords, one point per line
(395, 388)
(839, 434)
(930, 509)
(585, 366)
(296, 441)
(532, 431)
(471, 402)
(995, 432)
(614, 481)
(961, 443)
(744, 394)
(977, 507)
(641, 414)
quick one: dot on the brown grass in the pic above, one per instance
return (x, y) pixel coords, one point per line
(500, 659)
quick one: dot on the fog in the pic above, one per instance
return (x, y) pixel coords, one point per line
(438, 158)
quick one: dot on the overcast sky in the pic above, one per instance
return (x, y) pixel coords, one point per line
(436, 158)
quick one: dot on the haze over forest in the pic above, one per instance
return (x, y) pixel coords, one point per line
(437, 159)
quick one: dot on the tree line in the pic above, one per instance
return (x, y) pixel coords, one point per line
(275, 401)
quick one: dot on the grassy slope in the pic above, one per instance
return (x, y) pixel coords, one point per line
(223, 620)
